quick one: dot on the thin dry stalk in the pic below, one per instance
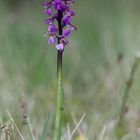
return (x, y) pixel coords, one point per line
(77, 126)
(12, 120)
(129, 84)
(30, 127)
(103, 133)
(68, 132)
(2, 126)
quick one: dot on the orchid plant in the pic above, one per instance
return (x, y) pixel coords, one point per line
(59, 28)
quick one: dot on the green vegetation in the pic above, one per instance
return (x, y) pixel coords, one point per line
(96, 66)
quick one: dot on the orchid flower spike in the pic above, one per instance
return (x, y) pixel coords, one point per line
(63, 6)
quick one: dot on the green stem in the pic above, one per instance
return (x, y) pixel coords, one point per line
(60, 93)
(129, 83)
(60, 96)
(127, 89)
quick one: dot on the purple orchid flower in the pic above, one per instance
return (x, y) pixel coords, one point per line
(63, 6)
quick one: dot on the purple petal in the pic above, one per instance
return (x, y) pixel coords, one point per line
(66, 32)
(70, 12)
(46, 3)
(48, 11)
(51, 40)
(59, 6)
(60, 46)
(66, 19)
(48, 21)
(55, 16)
(52, 28)
(57, 1)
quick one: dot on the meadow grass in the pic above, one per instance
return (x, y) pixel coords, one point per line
(97, 65)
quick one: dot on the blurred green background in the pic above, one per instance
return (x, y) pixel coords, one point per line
(96, 65)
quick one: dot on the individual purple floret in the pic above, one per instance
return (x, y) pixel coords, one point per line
(63, 19)
(48, 11)
(60, 46)
(52, 28)
(51, 40)
(66, 32)
(66, 19)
